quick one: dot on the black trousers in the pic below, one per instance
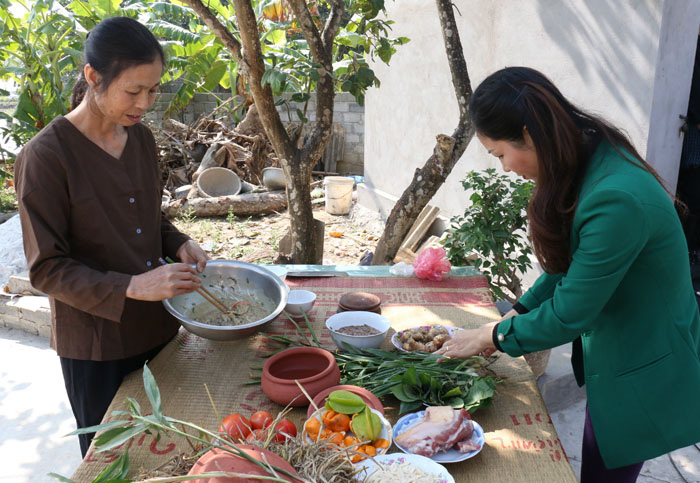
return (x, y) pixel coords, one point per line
(91, 386)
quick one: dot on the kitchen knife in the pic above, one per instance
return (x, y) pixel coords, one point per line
(312, 273)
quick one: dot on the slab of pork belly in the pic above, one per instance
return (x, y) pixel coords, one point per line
(441, 429)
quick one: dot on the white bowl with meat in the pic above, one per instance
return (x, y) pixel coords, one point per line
(364, 330)
(441, 433)
(424, 338)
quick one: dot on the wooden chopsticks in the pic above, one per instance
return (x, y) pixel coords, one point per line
(211, 298)
(206, 294)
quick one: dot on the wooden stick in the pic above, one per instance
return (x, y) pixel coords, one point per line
(203, 291)
(214, 301)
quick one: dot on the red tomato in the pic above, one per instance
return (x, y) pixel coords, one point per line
(260, 420)
(236, 426)
(257, 435)
(285, 429)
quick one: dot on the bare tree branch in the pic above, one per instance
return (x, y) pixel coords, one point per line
(264, 100)
(330, 30)
(453, 46)
(308, 28)
(447, 151)
(217, 27)
(426, 182)
(321, 47)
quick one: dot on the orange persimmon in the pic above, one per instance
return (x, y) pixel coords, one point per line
(357, 457)
(369, 450)
(381, 443)
(350, 440)
(337, 422)
(333, 437)
(312, 426)
(327, 417)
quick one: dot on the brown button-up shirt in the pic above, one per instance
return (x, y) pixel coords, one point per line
(91, 221)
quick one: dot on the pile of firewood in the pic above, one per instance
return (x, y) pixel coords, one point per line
(184, 151)
(244, 149)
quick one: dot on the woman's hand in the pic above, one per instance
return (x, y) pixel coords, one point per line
(163, 282)
(469, 342)
(190, 252)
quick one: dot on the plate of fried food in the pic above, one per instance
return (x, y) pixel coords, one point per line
(424, 338)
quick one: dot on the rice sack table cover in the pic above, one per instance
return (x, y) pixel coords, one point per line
(521, 442)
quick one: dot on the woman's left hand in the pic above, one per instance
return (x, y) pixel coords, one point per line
(469, 342)
(190, 252)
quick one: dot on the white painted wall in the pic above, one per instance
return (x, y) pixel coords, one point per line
(601, 54)
(674, 71)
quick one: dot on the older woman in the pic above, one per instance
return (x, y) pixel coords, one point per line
(89, 192)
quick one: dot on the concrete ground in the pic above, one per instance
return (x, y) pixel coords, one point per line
(34, 411)
(35, 415)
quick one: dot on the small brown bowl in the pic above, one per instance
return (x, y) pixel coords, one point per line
(314, 368)
(364, 301)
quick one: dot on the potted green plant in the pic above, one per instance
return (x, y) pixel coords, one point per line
(493, 227)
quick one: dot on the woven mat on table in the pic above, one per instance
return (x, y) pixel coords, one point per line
(521, 442)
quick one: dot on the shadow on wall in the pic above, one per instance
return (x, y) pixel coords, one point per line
(589, 21)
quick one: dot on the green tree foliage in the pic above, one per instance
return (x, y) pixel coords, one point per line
(493, 227)
(39, 49)
(41, 43)
(290, 66)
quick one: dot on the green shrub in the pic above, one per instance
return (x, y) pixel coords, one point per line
(493, 227)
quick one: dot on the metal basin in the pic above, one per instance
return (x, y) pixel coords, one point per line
(220, 272)
(273, 179)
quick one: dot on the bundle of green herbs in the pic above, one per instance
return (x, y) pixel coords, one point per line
(414, 378)
(418, 378)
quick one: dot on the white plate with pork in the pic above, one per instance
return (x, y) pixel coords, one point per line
(441, 433)
(424, 338)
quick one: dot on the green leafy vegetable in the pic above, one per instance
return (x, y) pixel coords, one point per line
(417, 378)
(414, 378)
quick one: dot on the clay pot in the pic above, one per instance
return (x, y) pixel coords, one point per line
(219, 460)
(370, 399)
(538, 361)
(314, 368)
(360, 301)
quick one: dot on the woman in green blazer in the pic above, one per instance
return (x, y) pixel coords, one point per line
(617, 279)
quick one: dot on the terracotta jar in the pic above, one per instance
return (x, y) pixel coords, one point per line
(217, 460)
(314, 368)
(360, 301)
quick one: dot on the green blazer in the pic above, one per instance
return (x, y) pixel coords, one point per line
(628, 296)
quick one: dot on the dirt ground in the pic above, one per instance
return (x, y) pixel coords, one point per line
(256, 239)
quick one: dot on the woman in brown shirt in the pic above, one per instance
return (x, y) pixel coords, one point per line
(89, 192)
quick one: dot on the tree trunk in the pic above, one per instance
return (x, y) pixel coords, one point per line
(427, 180)
(296, 163)
(247, 204)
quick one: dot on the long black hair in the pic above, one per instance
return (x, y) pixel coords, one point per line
(114, 45)
(564, 138)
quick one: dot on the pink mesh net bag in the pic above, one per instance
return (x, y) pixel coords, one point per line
(431, 264)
